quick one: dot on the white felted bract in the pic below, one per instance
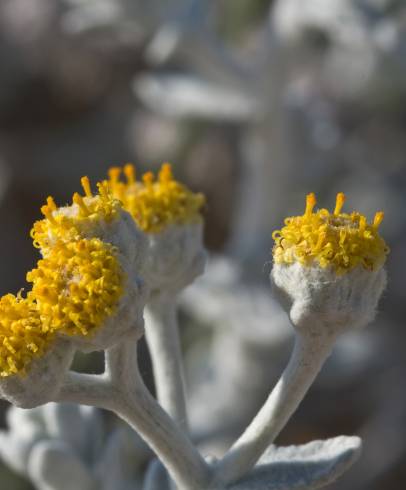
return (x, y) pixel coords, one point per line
(175, 257)
(124, 234)
(315, 297)
(43, 379)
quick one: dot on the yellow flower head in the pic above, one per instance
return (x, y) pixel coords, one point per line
(75, 221)
(155, 203)
(77, 286)
(22, 338)
(338, 240)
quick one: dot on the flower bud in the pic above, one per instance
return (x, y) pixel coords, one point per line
(169, 214)
(328, 268)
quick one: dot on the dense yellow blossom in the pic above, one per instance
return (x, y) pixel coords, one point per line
(22, 338)
(342, 241)
(70, 222)
(77, 286)
(155, 203)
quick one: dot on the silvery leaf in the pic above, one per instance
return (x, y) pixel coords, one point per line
(304, 467)
(15, 451)
(156, 477)
(26, 422)
(122, 461)
(64, 422)
(110, 469)
(189, 96)
(53, 466)
(26, 427)
(93, 433)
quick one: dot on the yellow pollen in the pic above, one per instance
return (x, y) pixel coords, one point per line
(48, 214)
(114, 174)
(71, 223)
(148, 179)
(156, 203)
(165, 174)
(337, 240)
(378, 219)
(103, 188)
(310, 203)
(129, 172)
(86, 186)
(362, 224)
(51, 203)
(22, 336)
(339, 203)
(78, 199)
(77, 286)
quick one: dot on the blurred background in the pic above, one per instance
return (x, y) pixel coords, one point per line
(255, 103)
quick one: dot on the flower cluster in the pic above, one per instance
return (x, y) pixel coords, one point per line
(85, 289)
(86, 277)
(338, 240)
(156, 203)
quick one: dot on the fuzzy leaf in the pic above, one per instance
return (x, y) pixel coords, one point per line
(26, 427)
(53, 466)
(156, 477)
(305, 467)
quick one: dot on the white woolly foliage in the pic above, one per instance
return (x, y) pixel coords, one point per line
(43, 379)
(175, 257)
(64, 447)
(317, 298)
(311, 465)
(305, 467)
(60, 447)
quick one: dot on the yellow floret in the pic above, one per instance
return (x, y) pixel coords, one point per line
(22, 338)
(70, 222)
(338, 240)
(77, 286)
(156, 203)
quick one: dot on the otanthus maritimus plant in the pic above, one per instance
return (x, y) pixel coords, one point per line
(88, 294)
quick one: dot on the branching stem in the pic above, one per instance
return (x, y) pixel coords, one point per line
(308, 356)
(121, 390)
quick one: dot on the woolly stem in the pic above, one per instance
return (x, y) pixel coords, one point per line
(162, 334)
(122, 391)
(308, 356)
(84, 389)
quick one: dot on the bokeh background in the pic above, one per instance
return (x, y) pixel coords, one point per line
(255, 103)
